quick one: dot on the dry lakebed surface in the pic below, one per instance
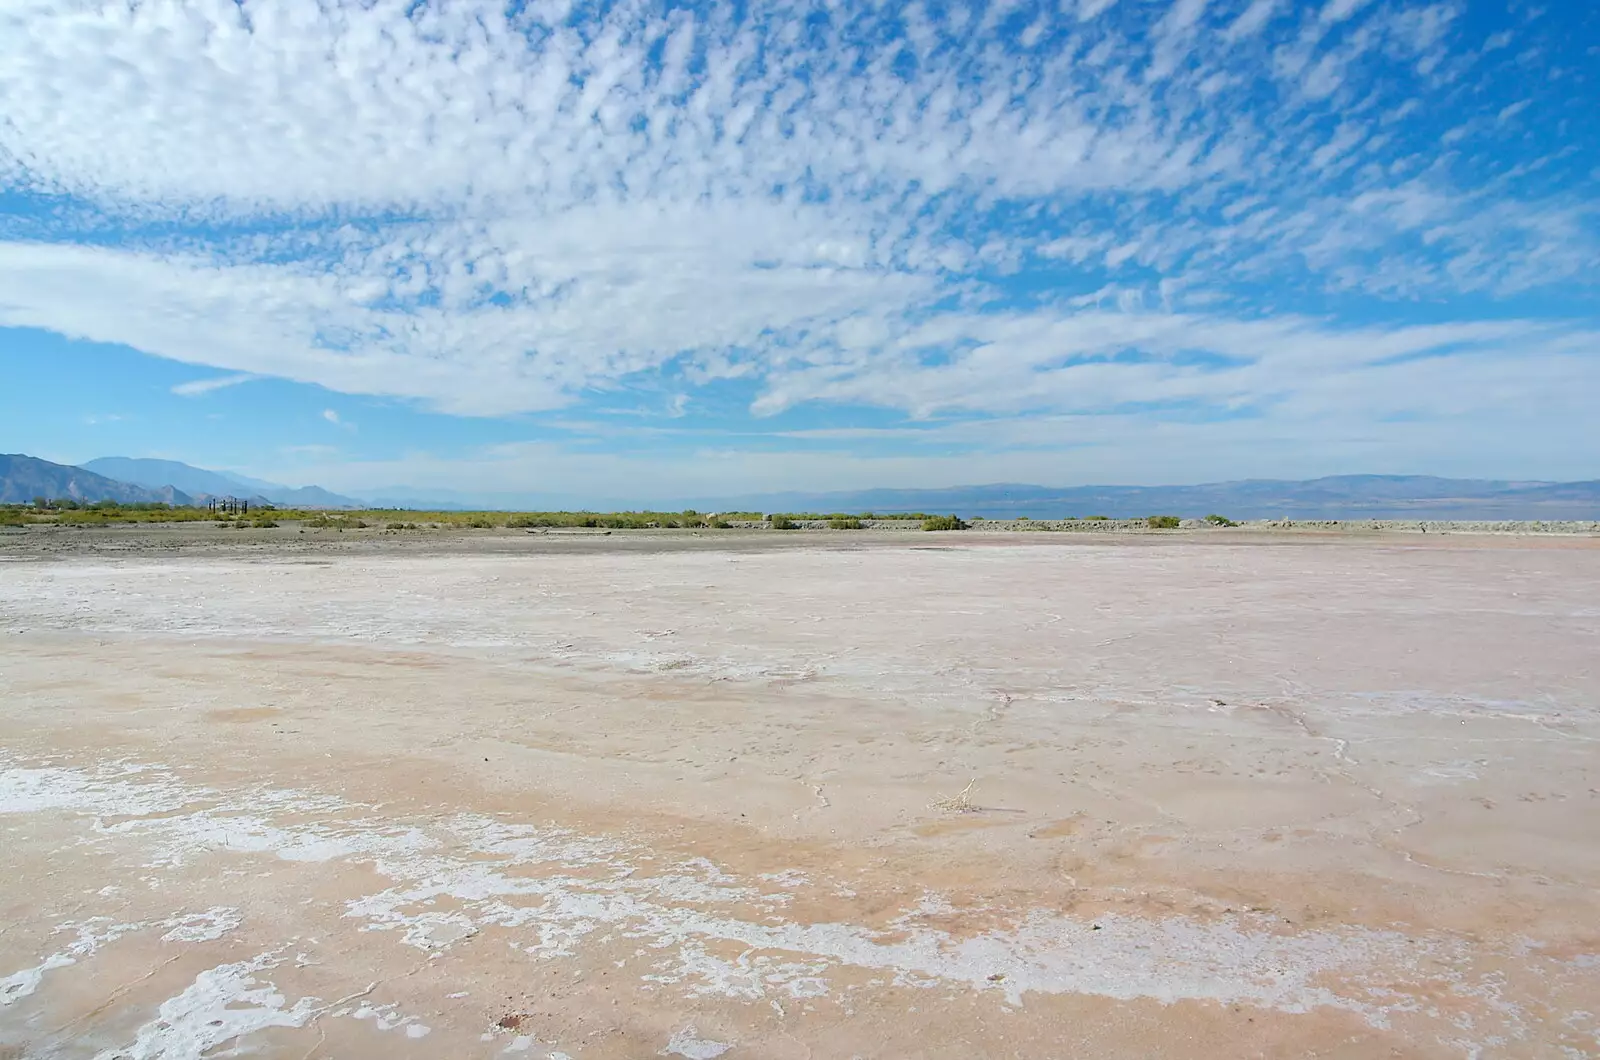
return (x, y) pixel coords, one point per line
(1230, 793)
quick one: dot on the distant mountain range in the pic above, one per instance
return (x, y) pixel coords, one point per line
(154, 474)
(129, 481)
(1336, 497)
(22, 478)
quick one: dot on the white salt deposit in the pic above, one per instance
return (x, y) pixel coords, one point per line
(222, 1004)
(688, 1043)
(96, 932)
(683, 911)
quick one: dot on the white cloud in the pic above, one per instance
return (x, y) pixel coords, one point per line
(492, 214)
(1251, 20)
(1340, 10)
(1512, 110)
(1405, 417)
(1088, 10)
(1013, 364)
(196, 387)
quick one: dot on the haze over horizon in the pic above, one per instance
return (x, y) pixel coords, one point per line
(650, 250)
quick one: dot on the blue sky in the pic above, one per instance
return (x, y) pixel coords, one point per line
(641, 251)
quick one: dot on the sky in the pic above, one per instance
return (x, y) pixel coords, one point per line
(644, 251)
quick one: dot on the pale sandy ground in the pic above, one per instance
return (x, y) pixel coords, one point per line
(636, 796)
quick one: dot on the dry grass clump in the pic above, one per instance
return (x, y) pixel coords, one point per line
(336, 522)
(960, 802)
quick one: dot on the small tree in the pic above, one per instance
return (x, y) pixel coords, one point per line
(943, 522)
(1163, 522)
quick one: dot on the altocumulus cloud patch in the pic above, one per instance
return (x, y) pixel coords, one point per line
(974, 210)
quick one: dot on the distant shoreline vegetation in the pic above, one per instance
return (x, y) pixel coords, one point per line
(69, 512)
(80, 513)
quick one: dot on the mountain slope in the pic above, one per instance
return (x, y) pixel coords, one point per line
(22, 478)
(153, 473)
(196, 480)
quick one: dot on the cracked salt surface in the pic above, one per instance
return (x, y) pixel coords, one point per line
(592, 889)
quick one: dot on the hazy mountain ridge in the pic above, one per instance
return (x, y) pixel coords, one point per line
(152, 474)
(1333, 497)
(23, 477)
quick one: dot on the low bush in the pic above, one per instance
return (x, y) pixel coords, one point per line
(1097, 518)
(844, 523)
(1220, 520)
(1163, 522)
(781, 522)
(943, 522)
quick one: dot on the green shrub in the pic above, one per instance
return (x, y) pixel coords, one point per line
(1163, 522)
(943, 522)
(719, 524)
(844, 523)
(781, 522)
(263, 523)
(1097, 518)
(1220, 520)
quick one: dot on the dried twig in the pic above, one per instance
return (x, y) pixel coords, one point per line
(961, 802)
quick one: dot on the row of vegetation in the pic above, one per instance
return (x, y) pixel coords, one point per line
(1155, 522)
(109, 512)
